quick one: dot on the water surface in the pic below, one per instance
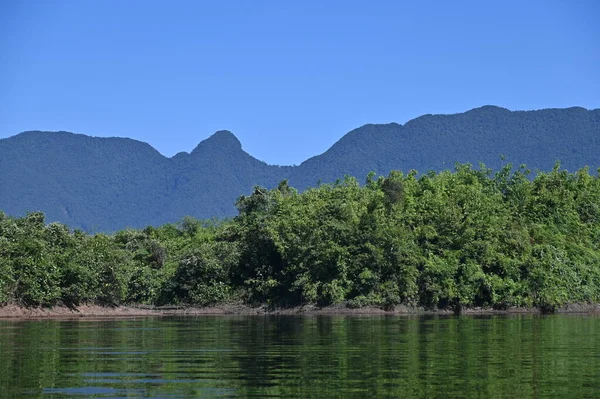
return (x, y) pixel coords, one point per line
(526, 356)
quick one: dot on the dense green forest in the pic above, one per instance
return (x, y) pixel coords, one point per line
(452, 239)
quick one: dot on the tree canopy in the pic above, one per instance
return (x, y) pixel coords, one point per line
(470, 237)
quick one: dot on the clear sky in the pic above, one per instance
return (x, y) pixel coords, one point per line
(288, 78)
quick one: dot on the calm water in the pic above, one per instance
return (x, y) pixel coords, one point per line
(317, 356)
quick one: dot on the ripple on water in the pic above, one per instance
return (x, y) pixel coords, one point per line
(330, 356)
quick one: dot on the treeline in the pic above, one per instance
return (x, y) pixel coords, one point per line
(446, 240)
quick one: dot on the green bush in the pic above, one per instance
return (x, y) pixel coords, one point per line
(446, 240)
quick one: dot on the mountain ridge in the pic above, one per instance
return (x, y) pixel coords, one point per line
(108, 183)
(225, 131)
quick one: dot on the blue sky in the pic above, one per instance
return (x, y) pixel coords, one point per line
(287, 78)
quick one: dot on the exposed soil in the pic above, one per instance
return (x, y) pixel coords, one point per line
(96, 311)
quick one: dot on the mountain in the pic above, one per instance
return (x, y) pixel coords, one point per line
(436, 142)
(104, 184)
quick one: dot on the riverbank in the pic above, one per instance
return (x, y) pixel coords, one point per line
(96, 311)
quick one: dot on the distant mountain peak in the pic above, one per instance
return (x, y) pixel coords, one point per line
(223, 140)
(489, 108)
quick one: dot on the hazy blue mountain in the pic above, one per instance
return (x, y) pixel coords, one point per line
(206, 182)
(104, 184)
(437, 142)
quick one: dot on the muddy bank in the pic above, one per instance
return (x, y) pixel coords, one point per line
(15, 311)
(96, 311)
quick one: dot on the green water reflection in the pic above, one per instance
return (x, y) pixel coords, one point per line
(318, 356)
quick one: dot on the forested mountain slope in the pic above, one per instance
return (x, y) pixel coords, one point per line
(104, 184)
(489, 134)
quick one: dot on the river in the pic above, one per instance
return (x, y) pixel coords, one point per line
(528, 356)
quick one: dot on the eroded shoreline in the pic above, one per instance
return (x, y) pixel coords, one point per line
(97, 311)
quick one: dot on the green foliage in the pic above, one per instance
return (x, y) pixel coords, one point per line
(450, 240)
(31, 273)
(202, 276)
(109, 268)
